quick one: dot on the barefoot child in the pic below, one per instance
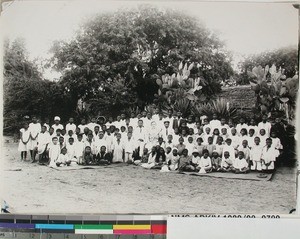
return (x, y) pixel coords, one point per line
(227, 162)
(63, 158)
(216, 162)
(240, 163)
(205, 165)
(269, 155)
(184, 162)
(255, 155)
(54, 151)
(24, 139)
(173, 162)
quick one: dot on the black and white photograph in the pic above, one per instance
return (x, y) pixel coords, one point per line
(157, 107)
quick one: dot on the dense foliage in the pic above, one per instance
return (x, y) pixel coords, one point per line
(117, 57)
(25, 91)
(286, 58)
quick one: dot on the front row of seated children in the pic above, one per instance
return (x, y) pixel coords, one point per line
(202, 159)
(259, 159)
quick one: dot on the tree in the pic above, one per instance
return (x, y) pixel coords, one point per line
(26, 93)
(286, 58)
(138, 45)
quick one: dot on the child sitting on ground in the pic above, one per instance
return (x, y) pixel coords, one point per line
(184, 162)
(63, 158)
(88, 157)
(227, 162)
(195, 159)
(205, 165)
(240, 164)
(102, 157)
(216, 162)
(173, 162)
(140, 160)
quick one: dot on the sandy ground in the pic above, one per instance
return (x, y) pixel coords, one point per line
(130, 189)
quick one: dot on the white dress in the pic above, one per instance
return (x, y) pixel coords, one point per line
(43, 139)
(117, 147)
(25, 134)
(35, 129)
(54, 152)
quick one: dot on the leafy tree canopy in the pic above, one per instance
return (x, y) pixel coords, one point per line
(138, 45)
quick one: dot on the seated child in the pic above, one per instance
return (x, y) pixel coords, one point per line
(54, 151)
(216, 162)
(184, 162)
(240, 164)
(103, 158)
(168, 154)
(173, 162)
(151, 159)
(205, 165)
(246, 150)
(79, 149)
(71, 150)
(88, 157)
(255, 155)
(269, 155)
(227, 162)
(139, 160)
(195, 159)
(63, 158)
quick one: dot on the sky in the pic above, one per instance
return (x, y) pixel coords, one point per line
(246, 27)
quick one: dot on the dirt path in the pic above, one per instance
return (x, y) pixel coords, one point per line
(129, 189)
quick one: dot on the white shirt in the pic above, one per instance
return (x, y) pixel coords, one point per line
(205, 162)
(269, 154)
(215, 124)
(256, 152)
(266, 126)
(70, 127)
(35, 129)
(240, 163)
(82, 127)
(59, 126)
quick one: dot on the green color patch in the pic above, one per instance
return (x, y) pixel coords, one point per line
(102, 227)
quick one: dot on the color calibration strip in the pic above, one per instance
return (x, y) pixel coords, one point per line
(138, 225)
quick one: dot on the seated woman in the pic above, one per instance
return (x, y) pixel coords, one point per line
(137, 160)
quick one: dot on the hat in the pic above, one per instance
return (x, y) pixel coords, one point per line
(57, 118)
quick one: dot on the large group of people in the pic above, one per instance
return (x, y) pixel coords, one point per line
(156, 141)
